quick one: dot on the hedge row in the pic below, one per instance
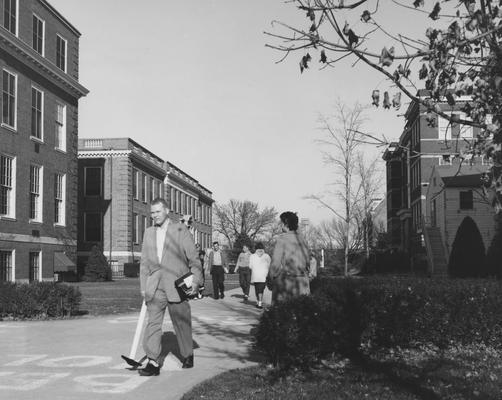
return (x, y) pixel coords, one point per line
(344, 315)
(38, 300)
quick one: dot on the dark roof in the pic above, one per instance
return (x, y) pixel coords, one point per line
(462, 180)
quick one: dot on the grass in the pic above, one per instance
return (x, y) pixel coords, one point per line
(123, 295)
(472, 372)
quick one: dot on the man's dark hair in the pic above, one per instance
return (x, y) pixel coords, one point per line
(159, 200)
(215, 242)
(290, 219)
(259, 245)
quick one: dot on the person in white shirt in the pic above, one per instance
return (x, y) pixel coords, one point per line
(259, 263)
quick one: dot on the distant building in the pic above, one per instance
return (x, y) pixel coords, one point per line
(379, 217)
(39, 61)
(118, 180)
(454, 193)
(427, 141)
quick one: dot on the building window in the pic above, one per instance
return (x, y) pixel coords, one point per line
(135, 233)
(144, 188)
(466, 200)
(35, 270)
(10, 16)
(135, 184)
(143, 224)
(6, 266)
(9, 93)
(152, 189)
(38, 35)
(37, 100)
(36, 193)
(61, 53)
(448, 130)
(446, 159)
(159, 189)
(92, 227)
(7, 186)
(60, 127)
(59, 199)
(92, 181)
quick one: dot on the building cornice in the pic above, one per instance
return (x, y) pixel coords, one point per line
(103, 153)
(25, 54)
(62, 19)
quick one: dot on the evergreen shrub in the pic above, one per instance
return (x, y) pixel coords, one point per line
(97, 268)
(38, 300)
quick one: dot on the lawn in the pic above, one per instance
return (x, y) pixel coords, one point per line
(460, 373)
(123, 295)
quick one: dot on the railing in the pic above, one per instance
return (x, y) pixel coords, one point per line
(93, 143)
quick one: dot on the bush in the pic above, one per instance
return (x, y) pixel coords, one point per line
(38, 300)
(131, 270)
(97, 268)
(345, 315)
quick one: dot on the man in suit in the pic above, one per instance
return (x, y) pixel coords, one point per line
(217, 266)
(168, 253)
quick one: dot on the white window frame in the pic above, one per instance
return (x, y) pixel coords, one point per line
(12, 253)
(16, 28)
(100, 181)
(58, 36)
(446, 159)
(6, 124)
(135, 228)
(60, 199)
(60, 128)
(445, 131)
(35, 16)
(38, 210)
(39, 277)
(135, 185)
(144, 187)
(11, 205)
(41, 111)
(152, 188)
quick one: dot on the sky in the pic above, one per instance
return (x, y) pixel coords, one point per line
(193, 82)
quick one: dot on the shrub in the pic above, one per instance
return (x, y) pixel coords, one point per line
(131, 270)
(494, 253)
(97, 268)
(344, 315)
(38, 300)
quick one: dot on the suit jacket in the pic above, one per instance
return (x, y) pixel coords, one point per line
(179, 257)
(210, 262)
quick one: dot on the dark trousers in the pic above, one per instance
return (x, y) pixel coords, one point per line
(218, 275)
(245, 279)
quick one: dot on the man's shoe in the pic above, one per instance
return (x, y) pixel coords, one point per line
(246, 297)
(149, 370)
(216, 297)
(222, 296)
(188, 362)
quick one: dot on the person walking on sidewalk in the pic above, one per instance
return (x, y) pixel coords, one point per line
(259, 263)
(290, 261)
(168, 253)
(242, 267)
(202, 256)
(218, 266)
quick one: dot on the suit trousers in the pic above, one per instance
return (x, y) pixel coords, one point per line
(245, 279)
(181, 317)
(218, 275)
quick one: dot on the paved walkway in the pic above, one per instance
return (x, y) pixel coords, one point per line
(71, 359)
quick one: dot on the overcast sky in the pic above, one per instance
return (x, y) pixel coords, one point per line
(193, 82)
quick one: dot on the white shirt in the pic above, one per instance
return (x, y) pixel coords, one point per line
(161, 238)
(259, 267)
(217, 258)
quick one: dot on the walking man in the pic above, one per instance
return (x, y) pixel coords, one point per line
(168, 253)
(217, 265)
(242, 267)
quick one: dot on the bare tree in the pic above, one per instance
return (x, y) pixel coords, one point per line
(340, 150)
(243, 219)
(459, 55)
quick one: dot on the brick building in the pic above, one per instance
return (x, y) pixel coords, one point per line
(38, 141)
(426, 141)
(118, 180)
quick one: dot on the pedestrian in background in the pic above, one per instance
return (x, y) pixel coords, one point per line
(218, 265)
(202, 257)
(290, 261)
(242, 266)
(259, 263)
(312, 266)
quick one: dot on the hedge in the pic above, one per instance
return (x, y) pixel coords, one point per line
(347, 315)
(38, 300)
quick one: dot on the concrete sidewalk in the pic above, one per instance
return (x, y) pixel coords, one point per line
(79, 358)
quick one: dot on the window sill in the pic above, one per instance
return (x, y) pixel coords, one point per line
(36, 140)
(59, 225)
(35, 222)
(59, 150)
(7, 218)
(8, 127)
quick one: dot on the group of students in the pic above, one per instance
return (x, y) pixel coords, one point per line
(286, 273)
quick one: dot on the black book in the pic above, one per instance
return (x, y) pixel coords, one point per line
(184, 285)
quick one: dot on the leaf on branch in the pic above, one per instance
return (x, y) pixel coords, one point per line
(311, 14)
(366, 16)
(422, 74)
(396, 101)
(475, 21)
(353, 38)
(387, 56)
(375, 96)
(304, 63)
(434, 15)
(313, 28)
(386, 100)
(418, 3)
(323, 59)
(450, 99)
(346, 28)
